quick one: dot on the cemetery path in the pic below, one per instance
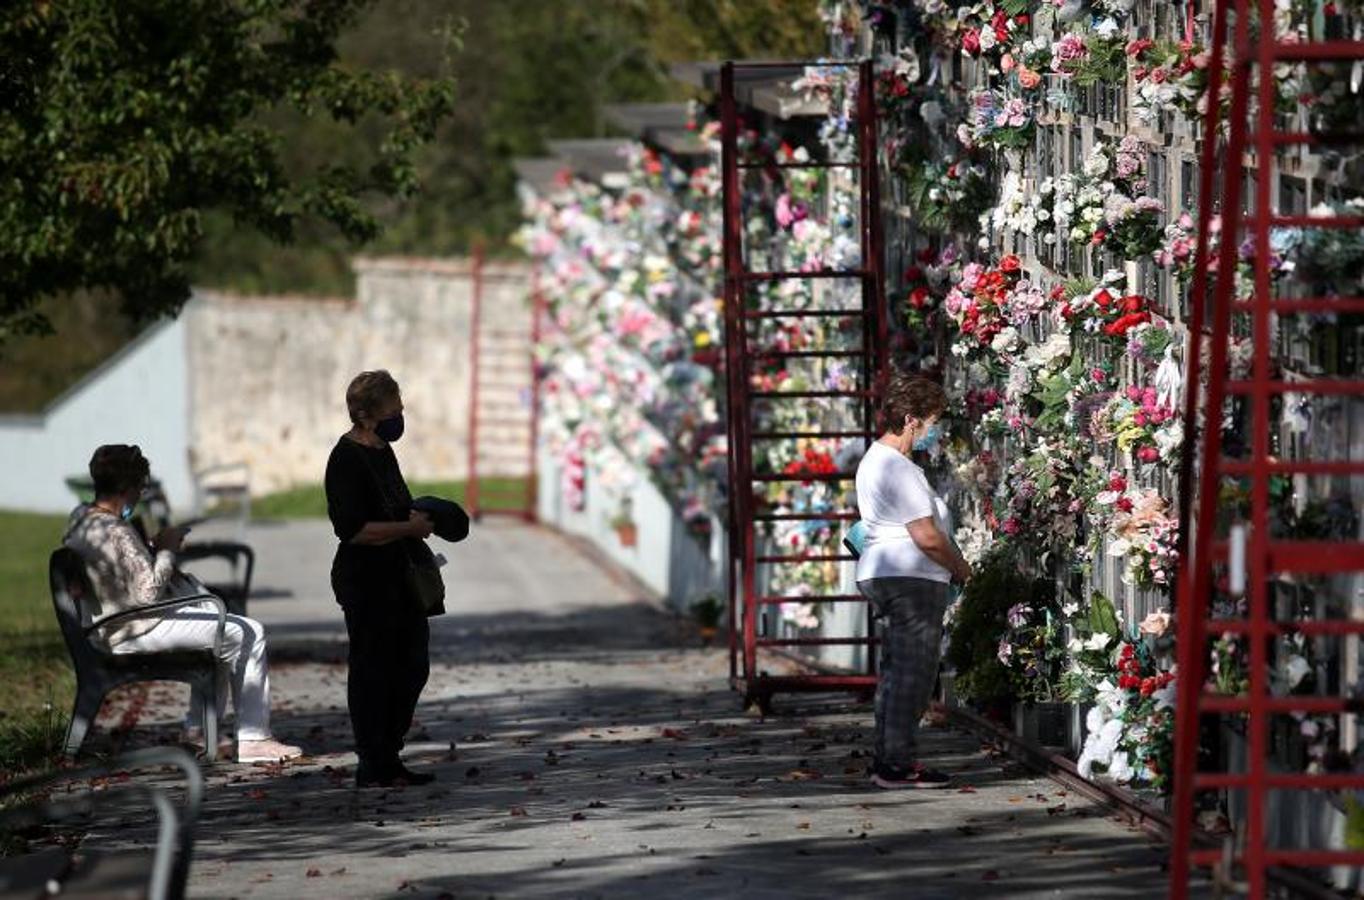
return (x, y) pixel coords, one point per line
(587, 745)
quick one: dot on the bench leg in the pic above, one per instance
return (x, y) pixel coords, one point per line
(87, 706)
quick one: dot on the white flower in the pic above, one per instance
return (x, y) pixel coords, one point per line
(1005, 341)
(1297, 669)
(1097, 641)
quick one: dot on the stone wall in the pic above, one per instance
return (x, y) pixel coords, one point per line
(268, 375)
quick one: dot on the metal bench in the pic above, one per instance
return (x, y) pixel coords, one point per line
(157, 874)
(99, 671)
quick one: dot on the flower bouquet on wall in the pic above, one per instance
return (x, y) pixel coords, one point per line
(1171, 77)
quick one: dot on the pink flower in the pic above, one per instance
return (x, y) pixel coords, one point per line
(1027, 78)
(1006, 63)
(970, 42)
(1148, 454)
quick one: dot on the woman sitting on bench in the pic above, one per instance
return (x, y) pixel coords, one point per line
(126, 574)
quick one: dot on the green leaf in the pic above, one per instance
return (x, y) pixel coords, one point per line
(1103, 618)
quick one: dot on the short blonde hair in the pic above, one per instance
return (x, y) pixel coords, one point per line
(368, 392)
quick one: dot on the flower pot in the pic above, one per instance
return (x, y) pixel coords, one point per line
(628, 534)
(1044, 724)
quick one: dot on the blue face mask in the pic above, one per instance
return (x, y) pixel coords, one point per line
(930, 438)
(390, 429)
(126, 513)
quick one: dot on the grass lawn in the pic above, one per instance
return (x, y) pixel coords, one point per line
(309, 501)
(36, 682)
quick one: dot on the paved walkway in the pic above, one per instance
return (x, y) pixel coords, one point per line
(587, 745)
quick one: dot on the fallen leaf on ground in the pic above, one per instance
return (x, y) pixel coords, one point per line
(314, 873)
(519, 811)
(803, 826)
(966, 789)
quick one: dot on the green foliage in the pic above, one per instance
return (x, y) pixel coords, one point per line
(36, 681)
(126, 123)
(529, 72)
(980, 621)
(1105, 63)
(309, 501)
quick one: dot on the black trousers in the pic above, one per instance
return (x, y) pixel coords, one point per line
(389, 662)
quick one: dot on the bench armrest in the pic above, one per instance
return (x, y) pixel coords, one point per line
(172, 603)
(175, 838)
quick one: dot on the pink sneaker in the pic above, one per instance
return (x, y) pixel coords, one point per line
(268, 750)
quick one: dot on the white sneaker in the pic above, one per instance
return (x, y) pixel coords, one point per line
(268, 750)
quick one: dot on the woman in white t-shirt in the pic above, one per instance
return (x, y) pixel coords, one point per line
(904, 570)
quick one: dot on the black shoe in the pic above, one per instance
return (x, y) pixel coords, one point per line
(368, 776)
(914, 777)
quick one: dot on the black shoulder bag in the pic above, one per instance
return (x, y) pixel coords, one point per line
(422, 576)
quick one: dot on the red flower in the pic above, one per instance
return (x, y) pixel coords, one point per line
(1117, 483)
(918, 297)
(1148, 687)
(1124, 504)
(1058, 292)
(1103, 299)
(1137, 47)
(1140, 73)
(1128, 682)
(1022, 20)
(970, 42)
(1098, 237)
(1010, 263)
(914, 273)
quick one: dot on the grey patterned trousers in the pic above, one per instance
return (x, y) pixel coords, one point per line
(910, 612)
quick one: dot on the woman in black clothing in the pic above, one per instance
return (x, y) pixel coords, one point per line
(370, 509)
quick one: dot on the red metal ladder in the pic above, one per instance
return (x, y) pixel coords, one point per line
(1250, 865)
(745, 603)
(496, 404)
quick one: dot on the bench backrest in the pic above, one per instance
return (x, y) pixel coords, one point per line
(70, 588)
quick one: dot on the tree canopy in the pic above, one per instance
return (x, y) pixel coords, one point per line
(123, 125)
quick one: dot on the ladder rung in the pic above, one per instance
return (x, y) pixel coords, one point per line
(797, 435)
(1312, 386)
(800, 165)
(1310, 858)
(1218, 703)
(807, 354)
(804, 313)
(1308, 221)
(810, 395)
(796, 557)
(1316, 627)
(784, 274)
(1295, 467)
(1319, 51)
(1305, 304)
(1308, 557)
(1204, 781)
(1326, 137)
(817, 642)
(779, 599)
(805, 517)
(808, 476)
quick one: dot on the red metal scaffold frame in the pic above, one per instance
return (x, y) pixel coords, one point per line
(473, 495)
(745, 604)
(1263, 555)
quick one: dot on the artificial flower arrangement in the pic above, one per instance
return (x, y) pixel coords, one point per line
(945, 193)
(1140, 530)
(1032, 650)
(1090, 57)
(1130, 728)
(991, 29)
(925, 285)
(984, 305)
(1104, 206)
(998, 120)
(1171, 77)
(1101, 310)
(1025, 209)
(1144, 427)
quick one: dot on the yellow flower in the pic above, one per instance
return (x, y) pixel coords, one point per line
(702, 339)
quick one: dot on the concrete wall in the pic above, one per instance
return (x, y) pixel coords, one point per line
(270, 373)
(677, 566)
(262, 381)
(139, 396)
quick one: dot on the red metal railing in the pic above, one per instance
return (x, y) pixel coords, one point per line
(745, 601)
(1250, 859)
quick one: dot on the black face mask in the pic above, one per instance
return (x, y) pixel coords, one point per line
(390, 429)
